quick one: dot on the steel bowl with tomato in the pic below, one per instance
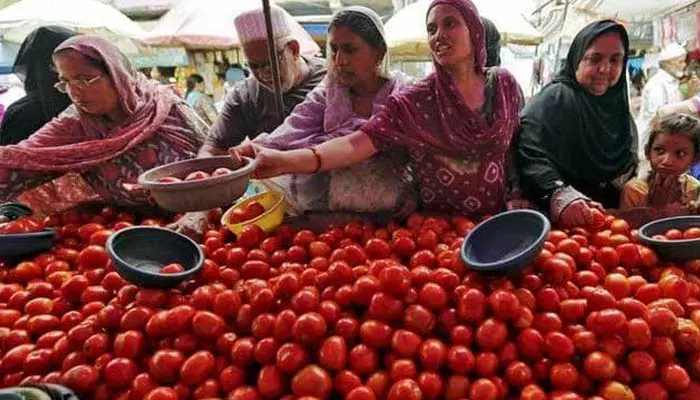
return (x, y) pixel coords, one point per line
(674, 238)
(154, 257)
(505, 242)
(197, 184)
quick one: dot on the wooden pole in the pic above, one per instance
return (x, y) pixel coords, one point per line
(274, 60)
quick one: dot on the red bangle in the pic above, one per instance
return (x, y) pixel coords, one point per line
(318, 160)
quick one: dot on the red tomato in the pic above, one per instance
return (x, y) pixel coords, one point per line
(81, 378)
(197, 368)
(312, 381)
(174, 268)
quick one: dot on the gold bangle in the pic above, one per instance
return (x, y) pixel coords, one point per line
(318, 160)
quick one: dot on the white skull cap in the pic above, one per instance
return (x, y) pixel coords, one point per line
(671, 51)
(250, 25)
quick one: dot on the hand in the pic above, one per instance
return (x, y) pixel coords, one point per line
(270, 163)
(193, 224)
(3, 219)
(519, 204)
(138, 192)
(246, 149)
(665, 190)
(579, 213)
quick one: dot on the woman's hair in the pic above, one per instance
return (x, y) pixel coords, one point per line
(192, 82)
(676, 124)
(361, 25)
(99, 64)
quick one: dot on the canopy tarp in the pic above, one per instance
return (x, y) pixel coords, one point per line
(208, 24)
(88, 16)
(407, 37)
(639, 9)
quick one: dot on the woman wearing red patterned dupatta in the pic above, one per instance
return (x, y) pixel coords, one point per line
(119, 126)
(457, 124)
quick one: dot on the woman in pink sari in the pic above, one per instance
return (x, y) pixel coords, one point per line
(119, 126)
(457, 124)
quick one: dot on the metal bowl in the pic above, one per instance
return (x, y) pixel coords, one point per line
(676, 250)
(204, 194)
(140, 252)
(505, 242)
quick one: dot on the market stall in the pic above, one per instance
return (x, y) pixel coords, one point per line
(411, 44)
(87, 16)
(108, 303)
(206, 30)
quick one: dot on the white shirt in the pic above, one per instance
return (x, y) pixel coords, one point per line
(662, 89)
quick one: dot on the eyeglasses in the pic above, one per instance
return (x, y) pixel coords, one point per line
(63, 85)
(266, 64)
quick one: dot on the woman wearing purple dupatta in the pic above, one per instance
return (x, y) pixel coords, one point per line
(457, 124)
(357, 86)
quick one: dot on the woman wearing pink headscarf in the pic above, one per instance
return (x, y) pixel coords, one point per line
(457, 124)
(119, 126)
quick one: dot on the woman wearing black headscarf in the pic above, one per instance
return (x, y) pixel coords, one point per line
(42, 102)
(578, 142)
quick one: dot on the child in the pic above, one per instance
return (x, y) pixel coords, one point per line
(673, 147)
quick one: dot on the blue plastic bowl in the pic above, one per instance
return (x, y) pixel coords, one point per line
(505, 242)
(676, 250)
(140, 252)
(22, 244)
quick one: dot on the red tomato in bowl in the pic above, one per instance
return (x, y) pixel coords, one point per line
(196, 176)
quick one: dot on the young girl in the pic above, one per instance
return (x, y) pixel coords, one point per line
(673, 147)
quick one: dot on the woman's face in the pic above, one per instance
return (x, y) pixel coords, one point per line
(448, 36)
(354, 61)
(89, 88)
(602, 64)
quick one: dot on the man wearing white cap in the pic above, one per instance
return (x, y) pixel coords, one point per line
(662, 89)
(250, 106)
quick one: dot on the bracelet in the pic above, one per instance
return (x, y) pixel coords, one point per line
(318, 160)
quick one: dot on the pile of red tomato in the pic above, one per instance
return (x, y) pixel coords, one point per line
(247, 212)
(21, 225)
(355, 312)
(677, 234)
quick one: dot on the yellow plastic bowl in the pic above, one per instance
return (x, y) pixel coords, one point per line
(274, 205)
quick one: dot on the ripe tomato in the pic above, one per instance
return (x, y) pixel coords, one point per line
(81, 378)
(312, 381)
(197, 368)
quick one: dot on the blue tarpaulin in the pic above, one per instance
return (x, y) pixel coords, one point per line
(8, 52)
(316, 29)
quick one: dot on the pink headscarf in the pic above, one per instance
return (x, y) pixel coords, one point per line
(73, 142)
(432, 114)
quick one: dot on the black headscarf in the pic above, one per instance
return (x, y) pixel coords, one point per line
(493, 43)
(42, 101)
(572, 136)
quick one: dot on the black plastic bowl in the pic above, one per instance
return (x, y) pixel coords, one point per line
(14, 210)
(505, 242)
(140, 252)
(22, 244)
(675, 250)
